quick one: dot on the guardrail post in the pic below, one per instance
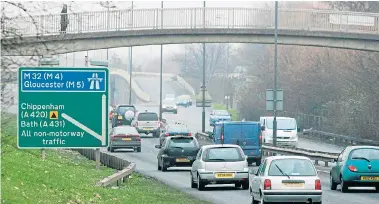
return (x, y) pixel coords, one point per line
(326, 163)
(97, 155)
(316, 162)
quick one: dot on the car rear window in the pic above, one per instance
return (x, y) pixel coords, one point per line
(183, 142)
(222, 154)
(178, 128)
(125, 130)
(367, 153)
(147, 117)
(221, 112)
(291, 167)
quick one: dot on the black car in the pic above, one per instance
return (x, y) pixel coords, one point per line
(176, 129)
(123, 115)
(177, 151)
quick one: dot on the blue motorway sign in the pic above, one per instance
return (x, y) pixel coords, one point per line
(63, 107)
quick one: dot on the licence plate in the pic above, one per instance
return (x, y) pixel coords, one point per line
(370, 178)
(224, 175)
(182, 160)
(293, 185)
(119, 117)
(127, 139)
(148, 128)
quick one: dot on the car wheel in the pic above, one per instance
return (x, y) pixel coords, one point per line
(111, 149)
(333, 185)
(245, 185)
(252, 198)
(193, 184)
(238, 185)
(377, 188)
(164, 167)
(200, 184)
(159, 166)
(138, 149)
(344, 186)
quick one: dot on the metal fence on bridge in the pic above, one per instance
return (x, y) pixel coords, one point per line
(194, 18)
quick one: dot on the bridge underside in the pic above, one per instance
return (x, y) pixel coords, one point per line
(50, 45)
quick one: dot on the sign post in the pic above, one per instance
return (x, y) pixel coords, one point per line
(274, 102)
(62, 108)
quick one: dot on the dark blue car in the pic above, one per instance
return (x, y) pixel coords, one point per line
(245, 134)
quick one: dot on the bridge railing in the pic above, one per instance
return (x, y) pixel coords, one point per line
(194, 18)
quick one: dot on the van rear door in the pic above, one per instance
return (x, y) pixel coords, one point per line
(232, 133)
(250, 139)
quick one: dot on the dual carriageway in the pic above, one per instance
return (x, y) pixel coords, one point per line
(179, 177)
(221, 194)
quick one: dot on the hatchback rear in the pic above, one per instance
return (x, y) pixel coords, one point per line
(221, 164)
(124, 137)
(362, 167)
(289, 179)
(148, 122)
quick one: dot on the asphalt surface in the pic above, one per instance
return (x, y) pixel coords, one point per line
(179, 177)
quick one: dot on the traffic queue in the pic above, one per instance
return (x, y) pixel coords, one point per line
(236, 144)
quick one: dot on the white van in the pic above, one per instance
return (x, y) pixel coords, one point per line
(286, 131)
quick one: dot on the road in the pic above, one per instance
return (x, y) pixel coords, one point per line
(179, 178)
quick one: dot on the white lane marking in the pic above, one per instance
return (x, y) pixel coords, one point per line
(81, 126)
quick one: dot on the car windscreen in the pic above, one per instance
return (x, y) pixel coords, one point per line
(291, 167)
(147, 117)
(221, 112)
(367, 153)
(223, 154)
(282, 124)
(169, 102)
(182, 142)
(177, 128)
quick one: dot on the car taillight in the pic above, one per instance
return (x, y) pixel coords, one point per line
(318, 184)
(267, 184)
(189, 134)
(167, 134)
(352, 168)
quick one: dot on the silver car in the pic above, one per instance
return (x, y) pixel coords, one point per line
(220, 164)
(282, 179)
(124, 137)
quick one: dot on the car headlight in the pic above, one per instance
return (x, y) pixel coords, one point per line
(175, 107)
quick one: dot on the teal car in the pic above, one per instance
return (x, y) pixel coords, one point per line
(356, 166)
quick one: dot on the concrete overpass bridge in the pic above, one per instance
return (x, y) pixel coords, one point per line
(40, 35)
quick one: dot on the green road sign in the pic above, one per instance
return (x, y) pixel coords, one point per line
(62, 107)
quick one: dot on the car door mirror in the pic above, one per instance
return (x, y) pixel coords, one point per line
(158, 146)
(263, 128)
(298, 129)
(335, 160)
(211, 113)
(254, 171)
(164, 120)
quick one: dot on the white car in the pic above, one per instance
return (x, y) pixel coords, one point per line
(281, 179)
(220, 164)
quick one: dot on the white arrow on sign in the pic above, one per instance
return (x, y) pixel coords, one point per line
(101, 137)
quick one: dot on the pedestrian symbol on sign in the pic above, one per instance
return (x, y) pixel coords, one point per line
(95, 81)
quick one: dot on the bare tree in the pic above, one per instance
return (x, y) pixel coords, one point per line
(360, 6)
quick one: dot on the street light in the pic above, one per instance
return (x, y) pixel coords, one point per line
(108, 6)
(274, 135)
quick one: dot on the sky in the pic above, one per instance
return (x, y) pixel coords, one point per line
(142, 54)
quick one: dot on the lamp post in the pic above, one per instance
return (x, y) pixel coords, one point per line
(131, 63)
(203, 90)
(275, 73)
(161, 71)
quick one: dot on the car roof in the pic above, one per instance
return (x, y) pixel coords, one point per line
(125, 105)
(237, 122)
(363, 146)
(142, 112)
(271, 158)
(219, 145)
(277, 117)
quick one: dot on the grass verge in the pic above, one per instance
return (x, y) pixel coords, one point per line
(68, 177)
(234, 112)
